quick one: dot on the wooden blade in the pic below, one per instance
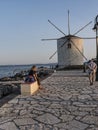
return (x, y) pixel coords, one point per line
(88, 37)
(64, 43)
(82, 28)
(68, 24)
(52, 55)
(79, 50)
(56, 27)
(49, 39)
(56, 50)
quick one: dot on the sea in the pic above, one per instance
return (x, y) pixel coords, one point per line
(11, 70)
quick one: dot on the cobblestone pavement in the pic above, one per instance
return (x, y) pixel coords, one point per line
(67, 102)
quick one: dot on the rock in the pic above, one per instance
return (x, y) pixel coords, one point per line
(5, 79)
(5, 90)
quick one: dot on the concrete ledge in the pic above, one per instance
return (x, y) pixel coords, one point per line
(29, 88)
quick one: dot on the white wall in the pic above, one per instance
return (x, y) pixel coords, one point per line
(70, 56)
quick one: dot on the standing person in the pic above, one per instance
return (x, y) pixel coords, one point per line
(92, 68)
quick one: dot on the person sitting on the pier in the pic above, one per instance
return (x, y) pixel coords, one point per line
(92, 67)
(32, 76)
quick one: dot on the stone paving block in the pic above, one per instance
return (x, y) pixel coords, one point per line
(66, 118)
(84, 97)
(6, 119)
(66, 97)
(78, 103)
(87, 106)
(71, 108)
(86, 92)
(92, 127)
(86, 109)
(48, 119)
(24, 121)
(14, 101)
(8, 126)
(55, 105)
(91, 119)
(23, 112)
(7, 105)
(23, 102)
(79, 113)
(94, 96)
(34, 102)
(38, 126)
(76, 125)
(62, 126)
(5, 111)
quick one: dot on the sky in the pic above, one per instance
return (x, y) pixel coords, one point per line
(23, 23)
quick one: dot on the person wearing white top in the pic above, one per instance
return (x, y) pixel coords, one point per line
(92, 68)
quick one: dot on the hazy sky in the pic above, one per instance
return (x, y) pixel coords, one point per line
(23, 23)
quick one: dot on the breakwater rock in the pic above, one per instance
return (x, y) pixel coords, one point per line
(10, 87)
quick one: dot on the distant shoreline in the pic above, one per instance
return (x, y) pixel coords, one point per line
(29, 64)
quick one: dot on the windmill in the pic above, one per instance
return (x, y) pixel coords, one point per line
(69, 47)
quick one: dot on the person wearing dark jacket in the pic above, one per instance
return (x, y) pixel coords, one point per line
(33, 73)
(32, 76)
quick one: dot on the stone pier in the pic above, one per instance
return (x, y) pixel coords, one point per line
(67, 102)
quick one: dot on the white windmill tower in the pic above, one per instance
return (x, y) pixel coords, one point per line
(69, 55)
(69, 48)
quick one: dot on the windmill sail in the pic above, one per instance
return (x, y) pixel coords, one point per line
(56, 27)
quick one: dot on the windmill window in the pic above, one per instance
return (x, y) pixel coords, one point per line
(69, 45)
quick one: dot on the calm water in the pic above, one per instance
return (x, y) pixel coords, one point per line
(10, 70)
